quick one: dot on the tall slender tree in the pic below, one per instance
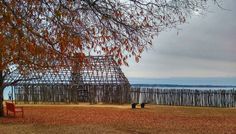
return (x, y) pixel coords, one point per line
(39, 34)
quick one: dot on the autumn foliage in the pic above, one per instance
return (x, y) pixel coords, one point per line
(36, 33)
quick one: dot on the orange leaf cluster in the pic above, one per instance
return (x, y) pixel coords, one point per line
(52, 34)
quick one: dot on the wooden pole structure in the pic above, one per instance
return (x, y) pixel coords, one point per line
(97, 79)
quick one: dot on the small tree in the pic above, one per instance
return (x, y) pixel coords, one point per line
(51, 33)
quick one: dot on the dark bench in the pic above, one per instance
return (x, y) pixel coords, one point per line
(133, 105)
(12, 108)
(143, 105)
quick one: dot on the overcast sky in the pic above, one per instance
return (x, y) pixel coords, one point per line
(204, 47)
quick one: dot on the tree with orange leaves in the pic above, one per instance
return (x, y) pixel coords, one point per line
(52, 33)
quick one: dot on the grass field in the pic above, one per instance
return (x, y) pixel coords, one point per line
(69, 119)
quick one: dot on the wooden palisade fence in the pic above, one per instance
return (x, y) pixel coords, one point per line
(184, 97)
(65, 94)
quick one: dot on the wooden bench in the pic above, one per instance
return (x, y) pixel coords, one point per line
(12, 108)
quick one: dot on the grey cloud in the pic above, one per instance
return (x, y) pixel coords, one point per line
(211, 37)
(206, 46)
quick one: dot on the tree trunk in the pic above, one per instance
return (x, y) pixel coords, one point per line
(1, 102)
(1, 93)
(1, 84)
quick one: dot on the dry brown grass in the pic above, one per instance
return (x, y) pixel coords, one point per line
(120, 119)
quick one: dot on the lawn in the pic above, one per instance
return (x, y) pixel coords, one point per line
(69, 119)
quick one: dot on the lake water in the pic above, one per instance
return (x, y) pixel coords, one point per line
(192, 88)
(172, 86)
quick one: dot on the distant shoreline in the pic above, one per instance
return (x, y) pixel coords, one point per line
(186, 81)
(190, 86)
